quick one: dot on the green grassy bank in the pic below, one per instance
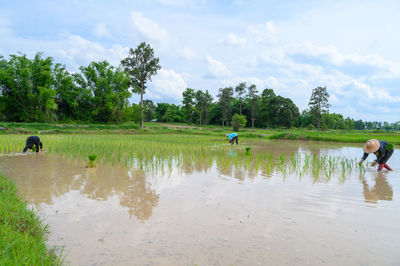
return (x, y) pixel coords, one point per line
(337, 136)
(355, 136)
(21, 231)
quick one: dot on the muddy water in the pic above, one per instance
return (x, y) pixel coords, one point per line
(120, 216)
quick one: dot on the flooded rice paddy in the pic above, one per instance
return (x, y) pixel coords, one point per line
(218, 213)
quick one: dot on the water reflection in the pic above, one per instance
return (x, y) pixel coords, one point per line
(138, 197)
(381, 190)
(41, 178)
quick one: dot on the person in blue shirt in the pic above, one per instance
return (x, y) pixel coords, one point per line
(382, 149)
(232, 137)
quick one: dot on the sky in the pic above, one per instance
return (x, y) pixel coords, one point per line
(292, 47)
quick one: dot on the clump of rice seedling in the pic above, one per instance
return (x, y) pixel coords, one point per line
(92, 159)
(389, 147)
(248, 152)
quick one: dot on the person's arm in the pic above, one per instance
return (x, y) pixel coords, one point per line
(363, 158)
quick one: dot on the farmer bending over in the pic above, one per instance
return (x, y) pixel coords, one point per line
(33, 141)
(232, 137)
(382, 149)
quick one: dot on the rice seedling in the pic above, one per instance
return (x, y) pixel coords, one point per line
(248, 152)
(158, 152)
(92, 158)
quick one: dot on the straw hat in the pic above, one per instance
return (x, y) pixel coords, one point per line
(371, 146)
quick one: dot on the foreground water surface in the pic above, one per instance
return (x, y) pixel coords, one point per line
(116, 215)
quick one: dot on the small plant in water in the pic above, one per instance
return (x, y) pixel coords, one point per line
(92, 159)
(248, 152)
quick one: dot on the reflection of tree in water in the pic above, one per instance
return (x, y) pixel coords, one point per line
(41, 177)
(130, 185)
(138, 197)
(380, 191)
(101, 183)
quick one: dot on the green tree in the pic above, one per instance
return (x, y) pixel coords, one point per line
(277, 110)
(240, 89)
(109, 88)
(319, 103)
(267, 107)
(252, 94)
(238, 121)
(141, 65)
(225, 97)
(200, 105)
(172, 114)
(73, 101)
(208, 99)
(160, 111)
(149, 109)
(26, 88)
(349, 123)
(287, 112)
(188, 104)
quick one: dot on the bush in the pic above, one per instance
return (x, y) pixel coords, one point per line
(238, 121)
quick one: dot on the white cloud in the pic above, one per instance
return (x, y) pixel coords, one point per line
(216, 69)
(80, 51)
(188, 53)
(180, 3)
(233, 40)
(330, 55)
(150, 29)
(167, 84)
(261, 84)
(101, 30)
(263, 33)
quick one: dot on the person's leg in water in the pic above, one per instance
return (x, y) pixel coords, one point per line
(384, 160)
(237, 140)
(233, 140)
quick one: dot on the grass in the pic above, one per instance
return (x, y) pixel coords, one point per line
(22, 233)
(354, 136)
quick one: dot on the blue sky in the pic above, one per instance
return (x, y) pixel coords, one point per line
(351, 47)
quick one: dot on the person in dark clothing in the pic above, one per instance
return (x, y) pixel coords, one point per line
(33, 141)
(232, 137)
(382, 149)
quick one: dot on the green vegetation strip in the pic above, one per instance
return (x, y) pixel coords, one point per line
(21, 231)
(338, 136)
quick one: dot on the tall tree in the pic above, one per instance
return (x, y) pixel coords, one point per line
(109, 88)
(225, 97)
(200, 103)
(141, 65)
(267, 107)
(319, 103)
(252, 94)
(149, 109)
(207, 102)
(240, 91)
(188, 101)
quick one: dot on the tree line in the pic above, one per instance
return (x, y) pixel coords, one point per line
(39, 90)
